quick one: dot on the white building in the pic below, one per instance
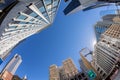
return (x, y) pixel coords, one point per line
(13, 64)
(107, 51)
(24, 19)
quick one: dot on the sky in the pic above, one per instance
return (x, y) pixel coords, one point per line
(63, 39)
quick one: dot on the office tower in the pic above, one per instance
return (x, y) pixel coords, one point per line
(69, 68)
(76, 5)
(22, 19)
(107, 51)
(54, 73)
(67, 71)
(101, 26)
(13, 64)
(85, 64)
(6, 75)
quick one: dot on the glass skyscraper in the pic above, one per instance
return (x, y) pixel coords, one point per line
(13, 64)
(101, 26)
(23, 18)
(76, 5)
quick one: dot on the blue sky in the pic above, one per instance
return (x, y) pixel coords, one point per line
(63, 39)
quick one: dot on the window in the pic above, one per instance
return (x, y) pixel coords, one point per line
(33, 14)
(104, 75)
(21, 17)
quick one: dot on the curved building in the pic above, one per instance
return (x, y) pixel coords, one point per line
(20, 19)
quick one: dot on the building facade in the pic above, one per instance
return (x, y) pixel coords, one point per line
(67, 71)
(101, 26)
(22, 19)
(13, 64)
(54, 73)
(69, 68)
(86, 63)
(107, 51)
(77, 5)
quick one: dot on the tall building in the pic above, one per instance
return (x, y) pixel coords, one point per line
(69, 68)
(101, 26)
(76, 5)
(67, 71)
(107, 51)
(23, 18)
(54, 73)
(86, 63)
(13, 64)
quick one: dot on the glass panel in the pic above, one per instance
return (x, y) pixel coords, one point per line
(21, 17)
(22, 23)
(33, 14)
(42, 9)
(55, 3)
(47, 2)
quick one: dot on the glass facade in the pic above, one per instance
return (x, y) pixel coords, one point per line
(100, 28)
(13, 64)
(76, 5)
(31, 17)
(71, 6)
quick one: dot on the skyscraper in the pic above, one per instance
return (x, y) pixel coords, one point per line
(85, 63)
(107, 50)
(22, 19)
(101, 26)
(69, 68)
(76, 5)
(13, 64)
(54, 73)
(67, 71)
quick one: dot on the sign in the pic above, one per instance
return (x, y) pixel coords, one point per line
(91, 74)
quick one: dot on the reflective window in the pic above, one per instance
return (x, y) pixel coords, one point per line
(42, 9)
(33, 14)
(21, 17)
